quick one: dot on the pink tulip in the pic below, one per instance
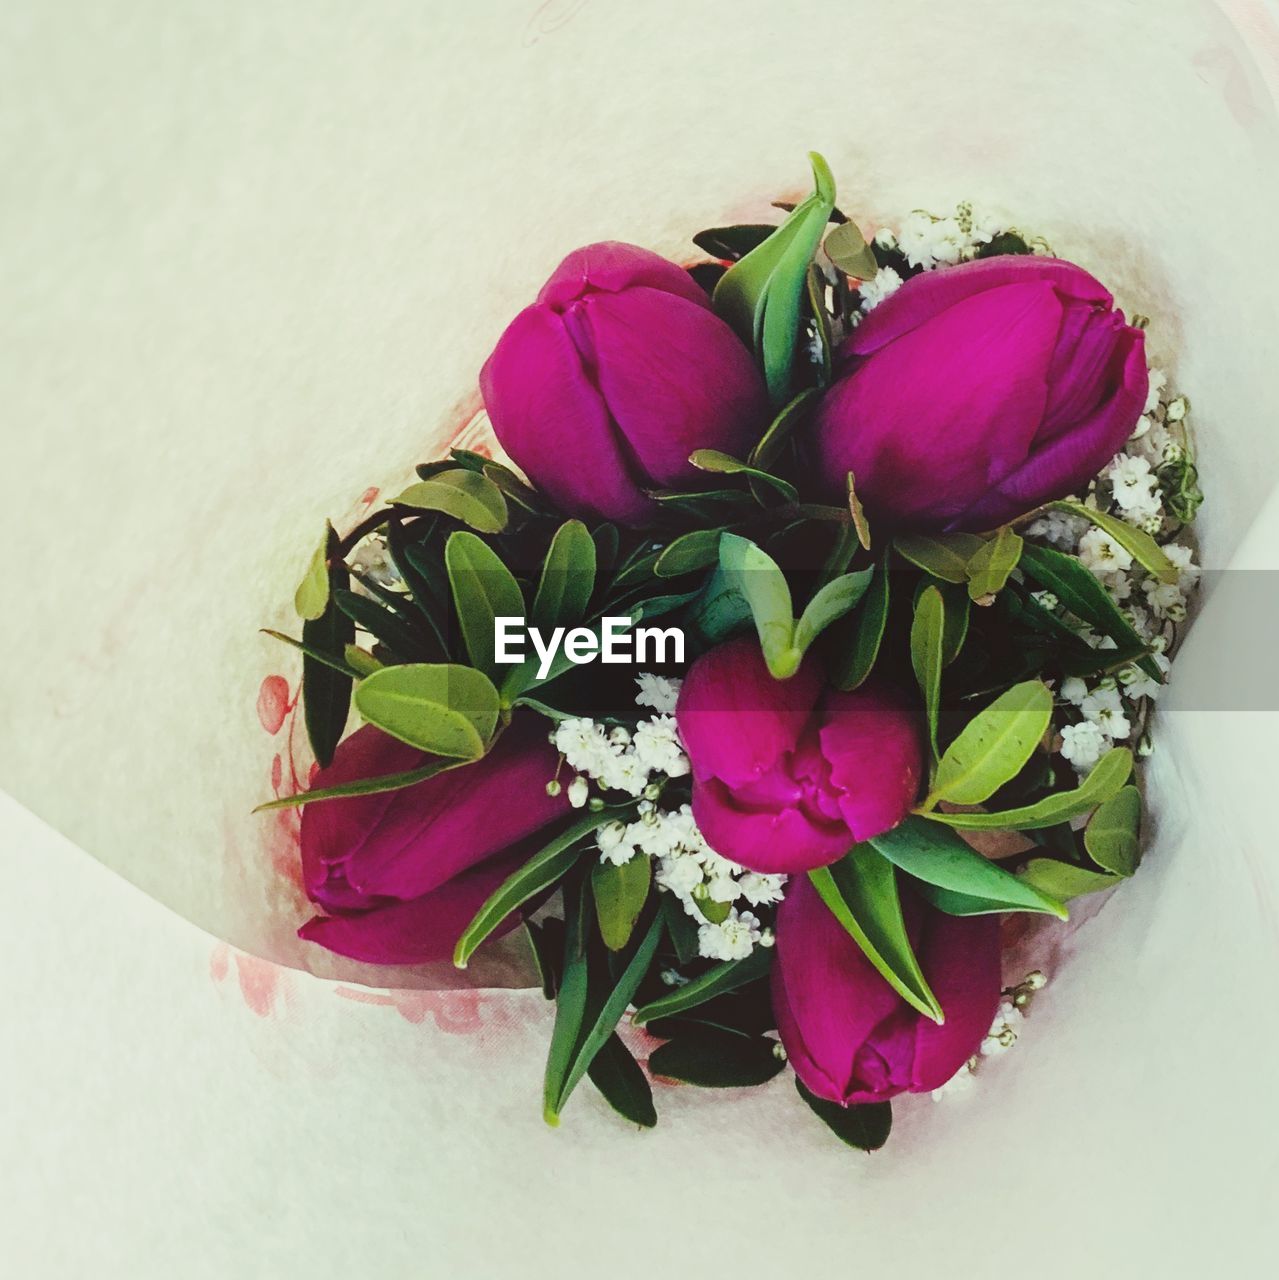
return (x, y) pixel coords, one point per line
(401, 874)
(788, 774)
(604, 386)
(850, 1037)
(975, 393)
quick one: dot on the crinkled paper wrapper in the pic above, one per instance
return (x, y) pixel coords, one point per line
(254, 258)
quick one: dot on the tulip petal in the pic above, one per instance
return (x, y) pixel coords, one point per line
(961, 957)
(933, 420)
(931, 292)
(1068, 462)
(767, 839)
(827, 997)
(675, 378)
(547, 412)
(402, 844)
(611, 266)
(875, 746)
(735, 719)
(419, 930)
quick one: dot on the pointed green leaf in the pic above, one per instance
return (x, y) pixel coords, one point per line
(616, 1074)
(865, 1126)
(568, 578)
(465, 495)
(733, 242)
(993, 747)
(1108, 775)
(754, 573)
(1137, 542)
(542, 870)
(725, 464)
(361, 661)
(717, 981)
(1064, 881)
(363, 786)
(1078, 589)
(620, 891)
(861, 892)
(991, 564)
(689, 553)
(927, 645)
(388, 628)
(713, 1058)
(312, 594)
(834, 600)
(761, 295)
(484, 589)
(936, 856)
(326, 692)
(341, 666)
(1111, 836)
(858, 658)
(943, 555)
(857, 512)
(780, 429)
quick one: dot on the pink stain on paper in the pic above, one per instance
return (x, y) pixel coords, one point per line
(455, 1012)
(262, 985)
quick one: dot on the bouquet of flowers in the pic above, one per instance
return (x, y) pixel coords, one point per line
(816, 633)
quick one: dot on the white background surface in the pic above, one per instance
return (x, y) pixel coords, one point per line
(240, 240)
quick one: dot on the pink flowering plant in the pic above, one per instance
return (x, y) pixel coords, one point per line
(916, 509)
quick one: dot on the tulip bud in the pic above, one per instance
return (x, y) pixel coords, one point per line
(617, 373)
(976, 393)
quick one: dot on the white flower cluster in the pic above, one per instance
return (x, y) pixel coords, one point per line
(714, 891)
(1114, 708)
(372, 558)
(1000, 1038)
(929, 241)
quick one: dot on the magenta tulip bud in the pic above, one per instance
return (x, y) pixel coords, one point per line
(604, 386)
(402, 873)
(789, 774)
(975, 393)
(850, 1037)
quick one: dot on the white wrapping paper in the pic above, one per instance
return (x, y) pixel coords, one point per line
(253, 257)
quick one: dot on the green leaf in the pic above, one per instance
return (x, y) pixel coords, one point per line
(568, 1030)
(938, 857)
(991, 564)
(543, 869)
(1111, 836)
(623, 1083)
(720, 609)
(927, 644)
(858, 658)
(334, 664)
(780, 429)
(716, 1059)
(689, 553)
(483, 589)
(825, 337)
(857, 512)
(1063, 880)
(444, 708)
(865, 1126)
(957, 608)
(835, 599)
(761, 295)
(725, 464)
(861, 892)
(312, 595)
(326, 693)
(568, 578)
(620, 891)
(363, 786)
(993, 747)
(681, 928)
(943, 555)
(465, 495)
(846, 247)
(388, 628)
(724, 977)
(564, 1073)
(1137, 542)
(361, 661)
(1084, 596)
(1108, 775)
(733, 242)
(546, 939)
(754, 573)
